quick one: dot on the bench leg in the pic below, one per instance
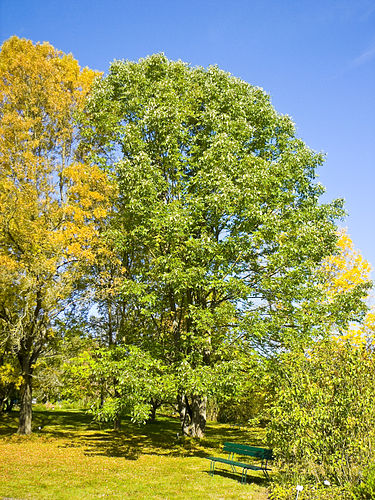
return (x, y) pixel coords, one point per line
(231, 457)
(244, 476)
(264, 469)
(212, 468)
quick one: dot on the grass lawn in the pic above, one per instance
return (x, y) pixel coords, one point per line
(72, 458)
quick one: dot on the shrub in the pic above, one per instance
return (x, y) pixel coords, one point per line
(323, 415)
(366, 489)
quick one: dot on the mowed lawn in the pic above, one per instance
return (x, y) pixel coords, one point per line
(72, 458)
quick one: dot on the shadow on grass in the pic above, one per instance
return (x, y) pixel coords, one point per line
(8, 424)
(65, 419)
(76, 429)
(158, 438)
(260, 481)
(57, 423)
(162, 438)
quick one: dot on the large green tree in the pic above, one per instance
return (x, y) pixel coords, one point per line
(218, 223)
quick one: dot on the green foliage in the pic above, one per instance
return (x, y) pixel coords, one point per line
(10, 382)
(79, 384)
(218, 215)
(218, 225)
(121, 380)
(366, 489)
(323, 417)
(248, 404)
(49, 375)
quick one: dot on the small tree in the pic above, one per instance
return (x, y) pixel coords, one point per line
(121, 380)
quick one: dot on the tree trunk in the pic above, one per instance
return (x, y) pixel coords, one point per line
(193, 415)
(25, 419)
(155, 404)
(152, 416)
(117, 423)
(117, 419)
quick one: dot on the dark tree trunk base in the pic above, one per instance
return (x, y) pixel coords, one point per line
(117, 424)
(26, 411)
(193, 415)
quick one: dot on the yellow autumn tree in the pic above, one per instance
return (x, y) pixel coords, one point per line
(346, 281)
(51, 203)
(347, 268)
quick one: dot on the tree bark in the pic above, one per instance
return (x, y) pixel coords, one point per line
(25, 418)
(117, 419)
(155, 404)
(117, 423)
(193, 415)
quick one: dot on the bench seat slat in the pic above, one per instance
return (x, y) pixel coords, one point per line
(250, 451)
(232, 462)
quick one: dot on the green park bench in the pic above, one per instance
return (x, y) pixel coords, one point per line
(243, 450)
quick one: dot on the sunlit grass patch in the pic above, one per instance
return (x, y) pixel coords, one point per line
(71, 458)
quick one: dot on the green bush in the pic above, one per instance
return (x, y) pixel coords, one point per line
(323, 416)
(366, 489)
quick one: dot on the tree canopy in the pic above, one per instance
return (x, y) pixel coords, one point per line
(218, 223)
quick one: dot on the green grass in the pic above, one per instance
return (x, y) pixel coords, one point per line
(72, 458)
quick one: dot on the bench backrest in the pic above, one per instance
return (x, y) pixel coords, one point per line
(251, 451)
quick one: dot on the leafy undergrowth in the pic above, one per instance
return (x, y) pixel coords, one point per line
(71, 458)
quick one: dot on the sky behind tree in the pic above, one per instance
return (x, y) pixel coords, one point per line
(315, 58)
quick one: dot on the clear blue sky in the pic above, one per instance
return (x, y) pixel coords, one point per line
(315, 58)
